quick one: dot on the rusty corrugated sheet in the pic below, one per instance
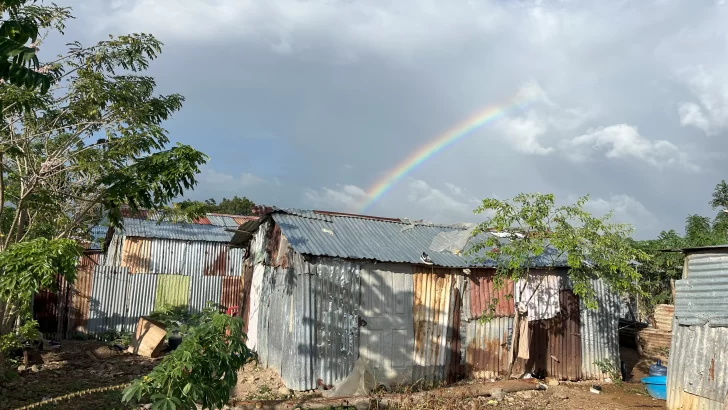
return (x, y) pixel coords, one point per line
(136, 254)
(45, 311)
(487, 347)
(215, 261)
(243, 219)
(698, 368)
(555, 345)
(663, 317)
(484, 293)
(234, 263)
(172, 290)
(167, 256)
(231, 291)
(80, 293)
(202, 220)
(435, 321)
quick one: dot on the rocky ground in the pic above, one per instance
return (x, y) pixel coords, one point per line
(80, 365)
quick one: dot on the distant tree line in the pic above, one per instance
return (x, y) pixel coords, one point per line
(233, 206)
(699, 231)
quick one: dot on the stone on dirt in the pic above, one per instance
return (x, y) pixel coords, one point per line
(551, 381)
(284, 391)
(498, 394)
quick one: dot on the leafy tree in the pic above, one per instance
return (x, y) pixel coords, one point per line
(72, 156)
(234, 206)
(539, 234)
(20, 25)
(203, 369)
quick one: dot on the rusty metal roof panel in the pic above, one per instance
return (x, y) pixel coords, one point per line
(484, 292)
(178, 231)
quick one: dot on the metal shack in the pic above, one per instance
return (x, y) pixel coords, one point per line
(323, 289)
(698, 366)
(146, 266)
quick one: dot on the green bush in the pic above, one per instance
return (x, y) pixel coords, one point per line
(203, 369)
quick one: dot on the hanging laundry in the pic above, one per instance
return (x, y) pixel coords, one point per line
(524, 341)
(541, 295)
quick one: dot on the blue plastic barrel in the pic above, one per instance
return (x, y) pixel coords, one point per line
(656, 386)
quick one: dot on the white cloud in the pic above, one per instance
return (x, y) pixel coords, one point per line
(528, 133)
(624, 141)
(344, 198)
(243, 180)
(440, 205)
(711, 90)
(626, 209)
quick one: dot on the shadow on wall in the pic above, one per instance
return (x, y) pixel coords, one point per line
(326, 316)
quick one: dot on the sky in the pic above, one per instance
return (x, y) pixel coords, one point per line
(309, 104)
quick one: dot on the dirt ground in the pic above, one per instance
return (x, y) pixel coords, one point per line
(571, 396)
(80, 365)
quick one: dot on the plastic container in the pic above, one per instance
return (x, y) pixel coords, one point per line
(656, 386)
(658, 369)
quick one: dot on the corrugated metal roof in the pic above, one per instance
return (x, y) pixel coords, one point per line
(179, 231)
(368, 238)
(703, 296)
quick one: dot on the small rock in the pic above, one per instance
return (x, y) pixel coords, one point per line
(284, 391)
(498, 394)
(552, 382)
(528, 394)
(510, 399)
(22, 368)
(34, 368)
(560, 394)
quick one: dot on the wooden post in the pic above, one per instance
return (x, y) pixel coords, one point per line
(672, 289)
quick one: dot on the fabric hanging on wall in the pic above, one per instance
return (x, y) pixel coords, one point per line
(524, 340)
(541, 294)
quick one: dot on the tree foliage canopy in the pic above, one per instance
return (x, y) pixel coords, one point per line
(540, 234)
(78, 141)
(233, 206)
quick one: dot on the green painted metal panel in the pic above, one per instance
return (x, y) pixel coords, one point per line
(172, 290)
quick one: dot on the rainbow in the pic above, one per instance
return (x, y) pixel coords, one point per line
(439, 144)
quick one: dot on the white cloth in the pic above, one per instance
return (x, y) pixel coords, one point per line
(541, 296)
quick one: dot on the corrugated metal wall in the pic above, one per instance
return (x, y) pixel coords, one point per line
(140, 298)
(600, 331)
(172, 290)
(232, 288)
(136, 254)
(698, 368)
(155, 272)
(484, 293)
(437, 308)
(308, 321)
(203, 290)
(487, 347)
(107, 310)
(555, 346)
(698, 365)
